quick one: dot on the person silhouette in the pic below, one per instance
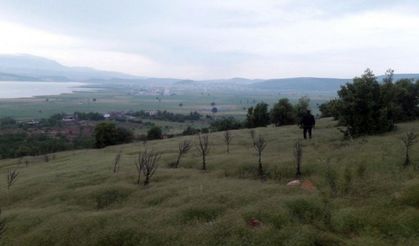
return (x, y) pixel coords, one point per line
(307, 123)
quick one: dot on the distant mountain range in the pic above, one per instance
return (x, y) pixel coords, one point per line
(33, 68)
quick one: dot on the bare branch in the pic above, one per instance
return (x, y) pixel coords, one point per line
(11, 177)
(116, 162)
(227, 139)
(259, 144)
(183, 148)
(147, 165)
(408, 141)
(203, 148)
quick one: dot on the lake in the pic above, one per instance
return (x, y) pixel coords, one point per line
(20, 89)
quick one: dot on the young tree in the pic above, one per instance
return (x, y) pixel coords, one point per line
(258, 116)
(227, 140)
(259, 144)
(147, 165)
(183, 148)
(298, 154)
(11, 177)
(283, 113)
(408, 141)
(203, 148)
(116, 162)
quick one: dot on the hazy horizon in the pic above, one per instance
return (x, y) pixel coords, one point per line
(217, 39)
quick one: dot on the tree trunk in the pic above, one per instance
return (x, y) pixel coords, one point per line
(147, 180)
(260, 167)
(178, 160)
(204, 164)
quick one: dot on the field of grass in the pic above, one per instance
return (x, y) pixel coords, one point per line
(363, 196)
(113, 98)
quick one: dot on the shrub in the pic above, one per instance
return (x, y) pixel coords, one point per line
(106, 133)
(154, 133)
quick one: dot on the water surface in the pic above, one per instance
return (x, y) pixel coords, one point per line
(20, 89)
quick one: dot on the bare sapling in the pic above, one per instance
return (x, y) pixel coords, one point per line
(298, 155)
(116, 162)
(203, 149)
(259, 144)
(227, 140)
(408, 141)
(183, 148)
(11, 177)
(147, 165)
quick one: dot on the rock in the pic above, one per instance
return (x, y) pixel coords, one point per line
(294, 183)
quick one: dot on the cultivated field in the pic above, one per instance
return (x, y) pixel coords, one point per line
(361, 194)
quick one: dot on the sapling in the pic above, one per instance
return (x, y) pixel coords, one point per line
(183, 148)
(227, 139)
(408, 141)
(203, 149)
(298, 154)
(147, 165)
(259, 144)
(116, 162)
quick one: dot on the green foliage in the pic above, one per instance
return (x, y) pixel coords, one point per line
(283, 113)
(330, 109)
(7, 122)
(302, 106)
(367, 107)
(168, 116)
(107, 133)
(154, 133)
(226, 123)
(258, 116)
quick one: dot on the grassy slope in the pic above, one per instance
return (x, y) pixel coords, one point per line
(56, 203)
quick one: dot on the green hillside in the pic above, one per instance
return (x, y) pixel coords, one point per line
(362, 194)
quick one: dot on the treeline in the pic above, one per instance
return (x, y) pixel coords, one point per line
(282, 113)
(366, 106)
(167, 116)
(22, 144)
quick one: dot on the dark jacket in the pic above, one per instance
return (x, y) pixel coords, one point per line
(308, 121)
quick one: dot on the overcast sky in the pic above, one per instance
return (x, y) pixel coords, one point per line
(203, 39)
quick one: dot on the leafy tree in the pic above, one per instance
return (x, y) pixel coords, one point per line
(226, 123)
(154, 133)
(362, 110)
(283, 113)
(330, 109)
(302, 106)
(258, 116)
(106, 133)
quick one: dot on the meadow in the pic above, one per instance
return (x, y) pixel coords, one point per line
(362, 195)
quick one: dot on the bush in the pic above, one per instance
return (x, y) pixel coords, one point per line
(283, 113)
(367, 107)
(224, 124)
(107, 133)
(154, 133)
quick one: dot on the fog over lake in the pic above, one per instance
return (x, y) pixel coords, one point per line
(19, 89)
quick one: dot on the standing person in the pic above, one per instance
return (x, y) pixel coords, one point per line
(307, 123)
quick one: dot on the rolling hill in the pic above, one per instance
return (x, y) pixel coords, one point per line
(354, 193)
